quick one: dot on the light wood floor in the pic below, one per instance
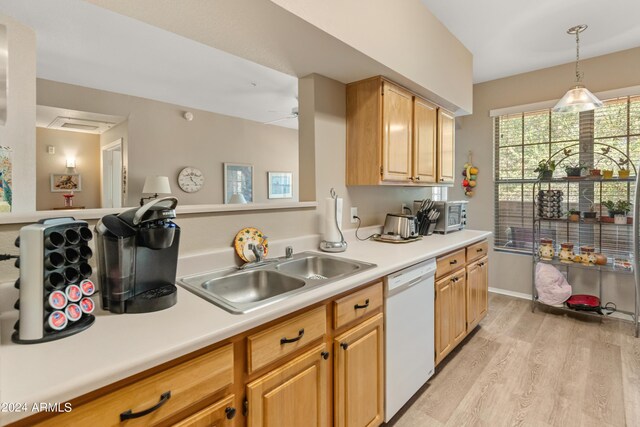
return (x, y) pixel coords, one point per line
(534, 369)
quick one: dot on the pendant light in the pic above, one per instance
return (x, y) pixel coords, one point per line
(578, 98)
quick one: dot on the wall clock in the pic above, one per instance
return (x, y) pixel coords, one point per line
(190, 179)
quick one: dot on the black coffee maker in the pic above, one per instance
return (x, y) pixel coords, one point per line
(137, 258)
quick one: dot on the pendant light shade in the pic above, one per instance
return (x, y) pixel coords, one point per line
(579, 98)
(576, 100)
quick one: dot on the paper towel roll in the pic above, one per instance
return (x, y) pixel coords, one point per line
(333, 207)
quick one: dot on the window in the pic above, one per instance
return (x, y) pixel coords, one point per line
(600, 139)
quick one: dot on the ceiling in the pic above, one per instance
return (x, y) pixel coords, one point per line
(83, 44)
(63, 119)
(509, 37)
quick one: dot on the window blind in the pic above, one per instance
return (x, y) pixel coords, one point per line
(598, 139)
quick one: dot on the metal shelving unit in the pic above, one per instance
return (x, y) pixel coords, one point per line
(612, 240)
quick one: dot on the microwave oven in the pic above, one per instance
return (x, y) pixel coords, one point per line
(453, 216)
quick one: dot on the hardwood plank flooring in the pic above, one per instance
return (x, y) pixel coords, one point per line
(546, 368)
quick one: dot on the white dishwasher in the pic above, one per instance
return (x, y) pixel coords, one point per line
(409, 333)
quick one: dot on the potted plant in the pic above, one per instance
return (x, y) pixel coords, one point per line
(595, 172)
(574, 170)
(545, 169)
(573, 215)
(623, 172)
(617, 211)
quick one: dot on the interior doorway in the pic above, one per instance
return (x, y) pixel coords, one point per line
(111, 158)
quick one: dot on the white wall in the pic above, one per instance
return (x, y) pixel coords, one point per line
(19, 132)
(618, 70)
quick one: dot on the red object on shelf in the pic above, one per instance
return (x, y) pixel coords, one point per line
(68, 200)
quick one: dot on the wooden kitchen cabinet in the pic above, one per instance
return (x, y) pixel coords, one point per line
(477, 292)
(220, 414)
(450, 313)
(359, 375)
(446, 147)
(425, 137)
(394, 137)
(291, 395)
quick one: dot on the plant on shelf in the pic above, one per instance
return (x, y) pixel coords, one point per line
(591, 214)
(545, 169)
(573, 215)
(623, 172)
(574, 169)
(621, 207)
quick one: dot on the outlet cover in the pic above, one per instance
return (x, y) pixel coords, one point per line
(354, 214)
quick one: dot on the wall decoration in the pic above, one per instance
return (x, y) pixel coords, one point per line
(6, 199)
(64, 182)
(470, 174)
(3, 74)
(238, 180)
(280, 185)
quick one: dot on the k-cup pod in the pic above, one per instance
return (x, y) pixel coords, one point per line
(88, 287)
(86, 305)
(74, 293)
(73, 312)
(56, 321)
(57, 300)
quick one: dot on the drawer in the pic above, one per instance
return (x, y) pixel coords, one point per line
(285, 338)
(448, 263)
(222, 413)
(477, 250)
(188, 383)
(357, 305)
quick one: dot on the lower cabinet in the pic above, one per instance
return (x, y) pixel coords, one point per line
(477, 292)
(220, 414)
(450, 313)
(359, 375)
(292, 395)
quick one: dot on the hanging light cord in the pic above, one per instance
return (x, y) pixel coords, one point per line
(578, 73)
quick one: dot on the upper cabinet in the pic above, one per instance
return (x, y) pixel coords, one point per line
(396, 137)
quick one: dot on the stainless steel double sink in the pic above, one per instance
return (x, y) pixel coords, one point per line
(242, 291)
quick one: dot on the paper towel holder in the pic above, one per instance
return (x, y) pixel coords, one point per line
(328, 246)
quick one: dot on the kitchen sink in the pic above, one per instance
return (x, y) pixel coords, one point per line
(318, 267)
(241, 291)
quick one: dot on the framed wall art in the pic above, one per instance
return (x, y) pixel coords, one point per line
(65, 182)
(238, 183)
(280, 185)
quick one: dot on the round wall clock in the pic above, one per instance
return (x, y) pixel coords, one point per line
(190, 179)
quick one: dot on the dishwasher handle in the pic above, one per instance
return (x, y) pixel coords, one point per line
(403, 287)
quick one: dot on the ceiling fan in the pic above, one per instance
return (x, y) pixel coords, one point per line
(292, 115)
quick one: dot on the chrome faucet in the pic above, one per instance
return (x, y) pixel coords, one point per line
(258, 251)
(288, 252)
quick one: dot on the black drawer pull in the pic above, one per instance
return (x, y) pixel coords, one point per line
(479, 250)
(344, 345)
(290, 340)
(358, 306)
(325, 355)
(127, 415)
(455, 261)
(231, 412)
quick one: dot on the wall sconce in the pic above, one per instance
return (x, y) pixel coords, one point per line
(71, 162)
(155, 185)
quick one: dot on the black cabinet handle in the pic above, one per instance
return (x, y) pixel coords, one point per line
(344, 345)
(479, 250)
(358, 306)
(127, 415)
(455, 261)
(231, 412)
(325, 355)
(290, 340)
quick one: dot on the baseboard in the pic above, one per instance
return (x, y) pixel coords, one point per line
(510, 293)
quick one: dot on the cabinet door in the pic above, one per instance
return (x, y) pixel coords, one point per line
(397, 141)
(446, 146)
(359, 375)
(220, 414)
(483, 289)
(292, 395)
(444, 317)
(424, 141)
(474, 284)
(459, 309)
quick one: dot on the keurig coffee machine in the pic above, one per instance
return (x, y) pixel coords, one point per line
(137, 258)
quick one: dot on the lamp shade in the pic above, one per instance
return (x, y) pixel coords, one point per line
(237, 198)
(576, 100)
(156, 185)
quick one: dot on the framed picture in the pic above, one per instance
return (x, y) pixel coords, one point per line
(238, 183)
(6, 198)
(65, 182)
(280, 185)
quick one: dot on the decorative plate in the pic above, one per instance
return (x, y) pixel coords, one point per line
(246, 236)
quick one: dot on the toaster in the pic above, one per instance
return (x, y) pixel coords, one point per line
(400, 225)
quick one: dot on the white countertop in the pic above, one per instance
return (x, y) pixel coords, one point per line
(118, 346)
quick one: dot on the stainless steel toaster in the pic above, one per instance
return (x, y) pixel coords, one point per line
(404, 226)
